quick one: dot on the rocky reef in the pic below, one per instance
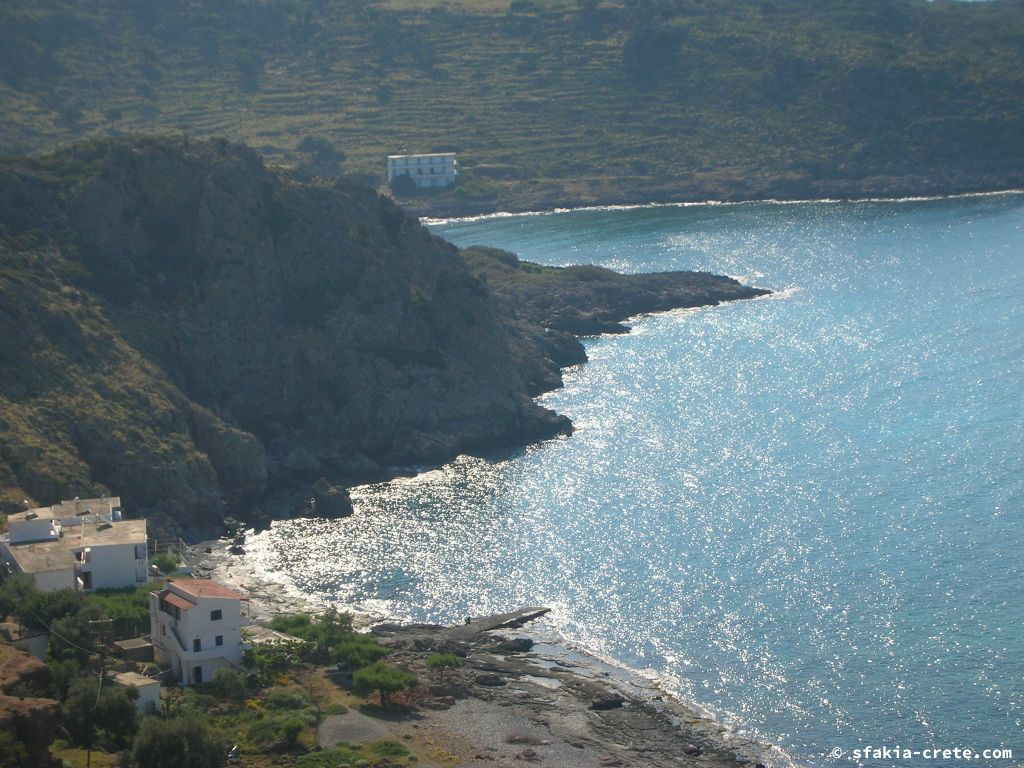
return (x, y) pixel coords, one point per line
(186, 327)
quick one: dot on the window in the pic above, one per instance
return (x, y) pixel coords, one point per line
(219, 640)
(216, 615)
(197, 645)
(197, 674)
(140, 551)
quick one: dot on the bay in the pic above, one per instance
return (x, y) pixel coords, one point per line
(803, 512)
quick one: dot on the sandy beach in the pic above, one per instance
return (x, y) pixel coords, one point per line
(514, 700)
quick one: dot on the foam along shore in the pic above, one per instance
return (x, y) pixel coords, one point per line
(515, 698)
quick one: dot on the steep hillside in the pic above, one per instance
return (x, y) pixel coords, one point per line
(548, 102)
(183, 326)
(169, 310)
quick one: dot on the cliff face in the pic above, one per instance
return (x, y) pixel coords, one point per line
(176, 321)
(188, 329)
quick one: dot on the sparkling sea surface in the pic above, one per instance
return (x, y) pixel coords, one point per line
(805, 512)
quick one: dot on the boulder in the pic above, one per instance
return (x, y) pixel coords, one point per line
(607, 701)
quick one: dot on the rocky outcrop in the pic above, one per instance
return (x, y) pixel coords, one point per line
(19, 670)
(30, 725)
(27, 723)
(547, 308)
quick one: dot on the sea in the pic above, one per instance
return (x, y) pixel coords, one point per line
(804, 513)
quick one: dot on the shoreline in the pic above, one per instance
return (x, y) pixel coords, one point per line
(473, 214)
(648, 727)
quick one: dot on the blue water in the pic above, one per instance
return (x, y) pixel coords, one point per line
(803, 512)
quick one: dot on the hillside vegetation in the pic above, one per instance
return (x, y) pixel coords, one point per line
(548, 102)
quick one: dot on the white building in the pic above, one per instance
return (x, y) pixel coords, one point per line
(77, 544)
(434, 170)
(148, 702)
(196, 625)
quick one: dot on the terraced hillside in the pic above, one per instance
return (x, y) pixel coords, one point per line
(548, 102)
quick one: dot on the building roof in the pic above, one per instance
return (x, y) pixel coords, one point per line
(134, 678)
(42, 556)
(198, 588)
(70, 508)
(172, 598)
(100, 534)
(424, 154)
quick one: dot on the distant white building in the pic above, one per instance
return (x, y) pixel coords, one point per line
(196, 626)
(77, 544)
(427, 171)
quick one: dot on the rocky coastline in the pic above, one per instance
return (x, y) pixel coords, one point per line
(518, 697)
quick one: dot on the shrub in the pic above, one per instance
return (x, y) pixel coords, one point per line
(176, 742)
(229, 684)
(340, 756)
(272, 732)
(167, 562)
(290, 731)
(278, 699)
(387, 748)
(13, 753)
(444, 661)
(128, 608)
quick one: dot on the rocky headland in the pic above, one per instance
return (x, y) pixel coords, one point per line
(204, 335)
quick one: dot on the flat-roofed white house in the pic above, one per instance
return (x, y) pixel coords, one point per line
(435, 170)
(148, 702)
(196, 627)
(77, 544)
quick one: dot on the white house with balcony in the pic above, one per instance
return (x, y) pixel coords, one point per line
(77, 544)
(436, 170)
(196, 627)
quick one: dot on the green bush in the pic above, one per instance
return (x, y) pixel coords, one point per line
(176, 742)
(167, 562)
(278, 699)
(443, 661)
(128, 608)
(13, 753)
(272, 732)
(290, 731)
(387, 748)
(229, 684)
(340, 756)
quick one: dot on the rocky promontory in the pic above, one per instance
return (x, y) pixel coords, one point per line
(189, 328)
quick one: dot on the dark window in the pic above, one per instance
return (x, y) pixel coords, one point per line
(219, 640)
(197, 674)
(215, 615)
(197, 644)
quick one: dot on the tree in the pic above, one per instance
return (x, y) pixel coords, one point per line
(15, 592)
(386, 678)
(108, 708)
(180, 741)
(13, 753)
